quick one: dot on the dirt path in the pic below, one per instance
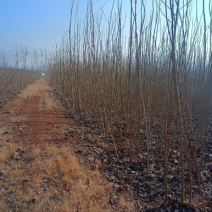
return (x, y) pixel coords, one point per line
(38, 169)
(35, 115)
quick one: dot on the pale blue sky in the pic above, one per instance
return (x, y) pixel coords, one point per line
(40, 23)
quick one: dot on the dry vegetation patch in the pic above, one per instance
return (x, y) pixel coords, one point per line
(48, 178)
(39, 170)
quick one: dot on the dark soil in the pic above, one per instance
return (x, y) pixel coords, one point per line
(95, 149)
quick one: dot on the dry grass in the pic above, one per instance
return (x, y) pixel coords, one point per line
(53, 177)
(34, 89)
(6, 148)
(18, 118)
(40, 175)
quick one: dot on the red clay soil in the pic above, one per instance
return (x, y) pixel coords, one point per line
(35, 115)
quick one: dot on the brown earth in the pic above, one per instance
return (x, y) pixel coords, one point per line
(39, 170)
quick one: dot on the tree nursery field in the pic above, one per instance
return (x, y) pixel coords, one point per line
(120, 121)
